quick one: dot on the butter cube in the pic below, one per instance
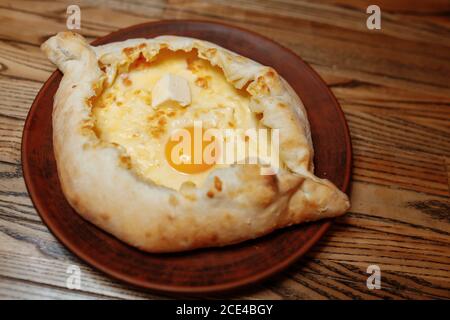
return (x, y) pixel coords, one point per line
(171, 87)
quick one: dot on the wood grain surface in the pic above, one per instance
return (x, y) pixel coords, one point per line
(394, 87)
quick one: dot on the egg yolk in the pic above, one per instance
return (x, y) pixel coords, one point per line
(188, 151)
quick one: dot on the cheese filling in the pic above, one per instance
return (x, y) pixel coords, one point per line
(123, 114)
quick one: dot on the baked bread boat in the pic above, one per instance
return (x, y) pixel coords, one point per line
(118, 104)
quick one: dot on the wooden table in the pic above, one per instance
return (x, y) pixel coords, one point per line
(393, 84)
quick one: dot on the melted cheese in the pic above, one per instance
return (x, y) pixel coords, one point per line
(123, 113)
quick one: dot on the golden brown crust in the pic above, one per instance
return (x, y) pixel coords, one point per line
(234, 204)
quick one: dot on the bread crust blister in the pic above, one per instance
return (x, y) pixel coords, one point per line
(155, 218)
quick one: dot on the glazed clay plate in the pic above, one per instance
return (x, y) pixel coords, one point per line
(205, 270)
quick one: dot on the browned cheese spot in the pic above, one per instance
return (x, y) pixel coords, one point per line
(217, 183)
(127, 82)
(128, 51)
(202, 82)
(125, 161)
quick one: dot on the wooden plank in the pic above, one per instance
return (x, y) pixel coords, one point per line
(24, 290)
(30, 253)
(357, 241)
(393, 87)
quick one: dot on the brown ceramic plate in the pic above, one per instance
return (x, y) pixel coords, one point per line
(206, 270)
